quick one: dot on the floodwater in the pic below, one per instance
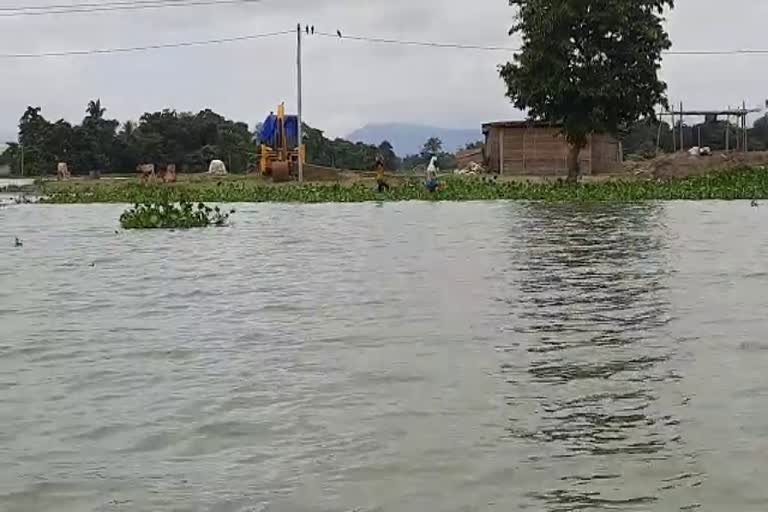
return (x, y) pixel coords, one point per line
(397, 357)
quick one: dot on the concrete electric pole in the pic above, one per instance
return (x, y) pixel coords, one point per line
(300, 129)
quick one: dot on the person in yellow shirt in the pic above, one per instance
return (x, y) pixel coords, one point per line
(381, 183)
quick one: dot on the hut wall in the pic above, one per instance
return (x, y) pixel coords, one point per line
(542, 151)
(606, 154)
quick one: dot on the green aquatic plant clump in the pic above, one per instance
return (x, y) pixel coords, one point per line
(747, 183)
(173, 216)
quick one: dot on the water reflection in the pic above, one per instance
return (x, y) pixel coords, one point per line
(589, 310)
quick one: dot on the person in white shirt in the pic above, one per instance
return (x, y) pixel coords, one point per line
(431, 182)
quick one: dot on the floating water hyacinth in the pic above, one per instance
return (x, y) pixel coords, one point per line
(173, 216)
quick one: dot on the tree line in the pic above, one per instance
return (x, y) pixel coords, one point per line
(191, 141)
(105, 145)
(188, 140)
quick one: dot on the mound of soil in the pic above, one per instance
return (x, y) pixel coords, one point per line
(680, 165)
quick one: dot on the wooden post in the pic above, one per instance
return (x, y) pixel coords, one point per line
(501, 150)
(682, 132)
(658, 136)
(728, 132)
(746, 130)
(566, 149)
(525, 141)
(672, 130)
(741, 131)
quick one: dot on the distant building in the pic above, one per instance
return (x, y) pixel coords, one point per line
(538, 149)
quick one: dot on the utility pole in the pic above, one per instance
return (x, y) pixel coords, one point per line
(298, 74)
(22, 159)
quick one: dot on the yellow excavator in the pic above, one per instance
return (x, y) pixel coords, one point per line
(280, 149)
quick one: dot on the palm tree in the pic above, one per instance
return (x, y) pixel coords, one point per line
(128, 128)
(94, 109)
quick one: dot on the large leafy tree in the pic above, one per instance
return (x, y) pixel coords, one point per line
(33, 136)
(759, 135)
(387, 152)
(95, 138)
(432, 147)
(590, 66)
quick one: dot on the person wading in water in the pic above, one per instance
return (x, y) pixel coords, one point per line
(431, 182)
(381, 183)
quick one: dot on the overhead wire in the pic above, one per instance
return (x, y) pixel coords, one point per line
(432, 44)
(47, 7)
(375, 40)
(417, 43)
(84, 8)
(131, 49)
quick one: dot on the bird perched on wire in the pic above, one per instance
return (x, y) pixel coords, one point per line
(313, 30)
(338, 33)
(307, 29)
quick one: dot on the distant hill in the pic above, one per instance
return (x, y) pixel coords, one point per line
(407, 139)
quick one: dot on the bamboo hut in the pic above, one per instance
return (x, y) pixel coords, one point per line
(538, 149)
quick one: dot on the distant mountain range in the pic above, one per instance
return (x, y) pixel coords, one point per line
(408, 139)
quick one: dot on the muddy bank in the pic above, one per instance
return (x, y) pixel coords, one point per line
(681, 165)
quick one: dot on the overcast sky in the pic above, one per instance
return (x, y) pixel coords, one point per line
(347, 84)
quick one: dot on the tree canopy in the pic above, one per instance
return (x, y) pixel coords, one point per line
(339, 153)
(589, 67)
(432, 147)
(186, 139)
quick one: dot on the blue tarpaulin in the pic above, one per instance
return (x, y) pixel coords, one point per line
(270, 132)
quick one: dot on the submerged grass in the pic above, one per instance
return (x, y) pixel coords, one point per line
(747, 183)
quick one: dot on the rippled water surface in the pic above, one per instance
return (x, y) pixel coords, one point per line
(397, 357)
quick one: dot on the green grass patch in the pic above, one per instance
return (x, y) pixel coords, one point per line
(747, 183)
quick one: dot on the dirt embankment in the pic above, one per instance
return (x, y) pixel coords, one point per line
(680, 165)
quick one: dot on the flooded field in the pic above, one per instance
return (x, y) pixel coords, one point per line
(397, 357)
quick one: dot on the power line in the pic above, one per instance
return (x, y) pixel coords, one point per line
(460, 46)
(143, 48)
(8, 12)
(378, 40)
(715, 52)
(419, 43)
(82, 4)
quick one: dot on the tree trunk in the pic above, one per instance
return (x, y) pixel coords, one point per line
(574, 172)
